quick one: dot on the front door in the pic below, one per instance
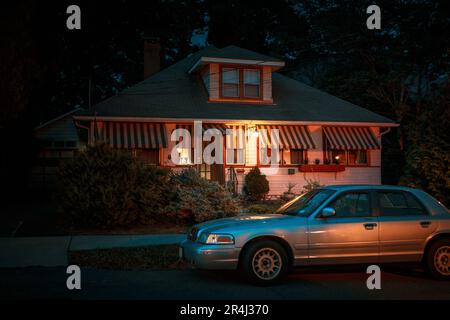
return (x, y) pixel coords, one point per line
(405, 226)
(351, 236)
(214, 172)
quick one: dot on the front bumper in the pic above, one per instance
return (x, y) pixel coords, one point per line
(206, 256)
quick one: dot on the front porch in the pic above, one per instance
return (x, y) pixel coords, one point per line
(326, 154)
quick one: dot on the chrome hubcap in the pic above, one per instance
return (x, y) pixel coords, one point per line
(266, 263)
(442, 260)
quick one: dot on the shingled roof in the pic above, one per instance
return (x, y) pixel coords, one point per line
(173, 93)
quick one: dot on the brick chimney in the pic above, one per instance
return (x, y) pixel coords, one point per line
(152, 57)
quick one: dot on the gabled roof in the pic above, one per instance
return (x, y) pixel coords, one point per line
(174, 93)
(233, 52)
(71, 112)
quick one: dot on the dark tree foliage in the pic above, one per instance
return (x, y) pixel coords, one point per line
(428, 155)
(397, 71)
(46, 68)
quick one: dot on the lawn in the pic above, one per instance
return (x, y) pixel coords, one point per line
(137, 258)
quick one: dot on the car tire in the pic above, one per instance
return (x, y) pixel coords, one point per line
(437, 261)
(265, 262)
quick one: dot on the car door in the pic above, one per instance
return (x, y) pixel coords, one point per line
(405, 225)
(351, 236)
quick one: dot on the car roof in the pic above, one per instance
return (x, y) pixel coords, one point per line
(367, 186)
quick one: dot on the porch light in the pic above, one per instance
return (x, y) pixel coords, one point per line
(253, 131)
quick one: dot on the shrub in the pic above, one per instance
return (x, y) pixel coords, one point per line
(103, 187)
(260, 209)
(256, 185)
(199, 199)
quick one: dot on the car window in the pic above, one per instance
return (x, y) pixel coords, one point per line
(399, 203)
(352, 204)
(306, 204)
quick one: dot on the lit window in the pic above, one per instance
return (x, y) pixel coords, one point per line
(296, 156)
(185, 155)
(230, 82)
(339, 156)
(251, 83)
(350, 157)
(205, 171)
(357, 157)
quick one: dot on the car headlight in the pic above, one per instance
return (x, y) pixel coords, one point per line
(216, 238)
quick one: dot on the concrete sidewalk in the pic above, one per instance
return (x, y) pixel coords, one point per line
(53, 251)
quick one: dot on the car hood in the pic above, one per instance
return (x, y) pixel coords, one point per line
(245, 221)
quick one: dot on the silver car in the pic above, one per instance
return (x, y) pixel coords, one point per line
(348, 224)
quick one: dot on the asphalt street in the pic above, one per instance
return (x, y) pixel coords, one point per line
(303, 284)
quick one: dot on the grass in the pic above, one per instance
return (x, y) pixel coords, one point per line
(136, 258)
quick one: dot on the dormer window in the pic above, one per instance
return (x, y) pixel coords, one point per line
(241, 83)
(233, 76)
(252, 83)
(230, 83)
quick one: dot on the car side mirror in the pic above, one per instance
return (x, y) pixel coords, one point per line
(328, 212)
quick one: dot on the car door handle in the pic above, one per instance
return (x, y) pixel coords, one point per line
(370, 226)
(425, 224)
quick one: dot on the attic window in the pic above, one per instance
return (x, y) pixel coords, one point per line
(241, 83)
(230, 82)
(251, 83)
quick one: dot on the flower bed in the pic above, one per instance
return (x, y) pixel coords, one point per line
(321, 168)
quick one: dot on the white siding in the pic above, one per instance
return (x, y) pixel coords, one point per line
(280, 179)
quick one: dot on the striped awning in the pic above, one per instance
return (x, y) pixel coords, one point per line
(221, 127)
(346, 138)
(131, 135)
(290, 137)
(205, 126)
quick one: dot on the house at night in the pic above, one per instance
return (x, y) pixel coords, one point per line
(321, 137)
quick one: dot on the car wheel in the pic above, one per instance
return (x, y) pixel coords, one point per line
(438, 259)
(265, 262)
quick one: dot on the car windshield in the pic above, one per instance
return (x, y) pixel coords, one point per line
(305, 204)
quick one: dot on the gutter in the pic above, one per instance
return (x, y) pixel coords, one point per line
(237, 121)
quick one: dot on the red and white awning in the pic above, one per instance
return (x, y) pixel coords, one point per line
(351, 138)
(290, 137)
(131, 135)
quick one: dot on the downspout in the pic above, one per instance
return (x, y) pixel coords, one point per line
(381, 135)
(387, 131)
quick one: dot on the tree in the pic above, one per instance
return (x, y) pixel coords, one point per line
(428, 152)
